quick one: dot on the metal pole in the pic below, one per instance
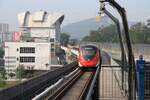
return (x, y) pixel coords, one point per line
(131, 63)
(130, 56)
(123, 58)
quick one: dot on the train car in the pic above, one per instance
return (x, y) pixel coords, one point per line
(89, 56)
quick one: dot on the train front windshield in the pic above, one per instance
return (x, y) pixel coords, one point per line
(88, 52)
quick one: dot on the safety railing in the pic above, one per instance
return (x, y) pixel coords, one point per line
(111, 84)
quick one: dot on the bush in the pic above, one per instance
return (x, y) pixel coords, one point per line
(2, 83)
(20, 72)
(3, 74)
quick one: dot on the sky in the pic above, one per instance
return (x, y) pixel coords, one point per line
(74, 10)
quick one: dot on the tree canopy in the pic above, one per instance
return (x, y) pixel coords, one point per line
(139, 33)
(107, 34)
(64, 39)
(20, 72)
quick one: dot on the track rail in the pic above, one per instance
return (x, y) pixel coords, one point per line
(74, 89)
(53, 88)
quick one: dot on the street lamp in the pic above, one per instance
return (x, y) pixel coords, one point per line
(131, 63)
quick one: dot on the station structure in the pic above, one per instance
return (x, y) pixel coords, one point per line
(34, 44)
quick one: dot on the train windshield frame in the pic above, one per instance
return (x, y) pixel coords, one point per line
(89, 52)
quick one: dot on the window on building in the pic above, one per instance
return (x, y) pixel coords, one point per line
(27, 50)
(27, 59)
(52, 49)
(52, 40)
(52, 45)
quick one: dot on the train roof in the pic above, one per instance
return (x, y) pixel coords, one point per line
(89, 43)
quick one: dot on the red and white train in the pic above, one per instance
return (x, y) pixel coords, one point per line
(89, 56)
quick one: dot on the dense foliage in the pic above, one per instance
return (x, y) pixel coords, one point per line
(64, 39)
(20, 72)
(139, 33)
(107, 34)
(3, 74)
(2, 83)
(2, 78)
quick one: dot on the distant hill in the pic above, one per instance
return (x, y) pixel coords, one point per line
(80, 29)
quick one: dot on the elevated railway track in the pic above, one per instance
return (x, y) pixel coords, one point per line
(29, 89)
(78, 86)
(75, 88)
(55, 85)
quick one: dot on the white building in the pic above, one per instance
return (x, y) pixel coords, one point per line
(40, 26)
(4, 28)
(40, 32)
(33, 56)
(148, 23)
(4, 32)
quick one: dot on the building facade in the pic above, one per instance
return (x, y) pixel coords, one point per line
(4, 28)
(148, 23)
(4, 32)
(33, 56)
(40, 26)
(38, 35)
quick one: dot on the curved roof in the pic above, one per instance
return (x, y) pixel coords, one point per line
(22, 17)
(57, 17)
(39, 16)
(39, 19)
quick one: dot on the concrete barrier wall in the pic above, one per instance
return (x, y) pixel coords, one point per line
(138, 49)
(29, 88)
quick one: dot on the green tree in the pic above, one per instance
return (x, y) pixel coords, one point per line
(107, 34)
(140, 33)
(2, 83)
(20, 72)
(11, 74)
(3, 74)
(1, 52)
(2, 78)
(64, 39)
(73, 42)
(86, 38)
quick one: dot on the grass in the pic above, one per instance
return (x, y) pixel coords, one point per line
(6, 84)
(2, 83)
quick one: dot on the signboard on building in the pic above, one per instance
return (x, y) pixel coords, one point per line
(16, 36)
